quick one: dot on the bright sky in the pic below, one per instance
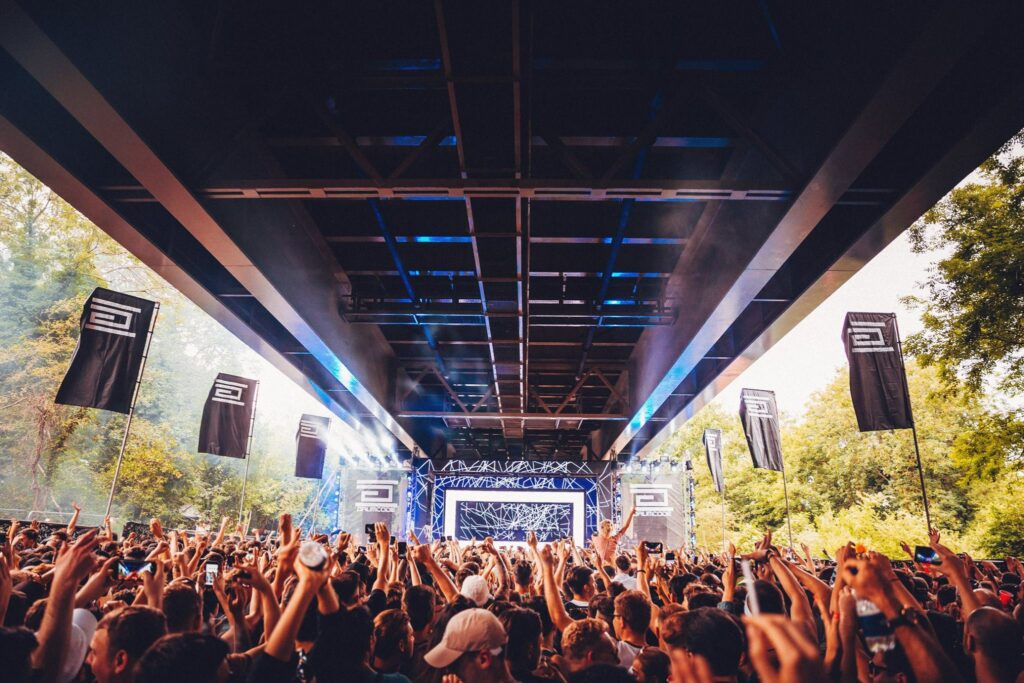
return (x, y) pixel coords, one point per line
(807, 358)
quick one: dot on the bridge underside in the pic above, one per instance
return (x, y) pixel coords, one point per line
(508, 229)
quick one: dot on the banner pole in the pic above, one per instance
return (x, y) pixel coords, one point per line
(248, 450)
(913, 426)
(323, 485)
(725, 542)
(131, 409)
(785, 492)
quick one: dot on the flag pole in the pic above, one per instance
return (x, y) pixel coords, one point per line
(725, 542)
(248, 450)
(913, 427)
(785, 492)
(131, 408)
(323, 485)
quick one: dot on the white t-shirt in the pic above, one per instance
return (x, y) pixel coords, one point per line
(627, 653)
(628, 582)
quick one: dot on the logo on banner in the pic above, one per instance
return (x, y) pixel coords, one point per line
(308, 429)
(112, 318)
(651, 500)
(377, 495)
(225, 391)
(757, 407)
(867, 337)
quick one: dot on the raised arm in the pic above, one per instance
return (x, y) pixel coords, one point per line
(55, 631)
(281, 643)
(928, 661)
(625, 524)
(441, 579)
(74, 519)
(556, 608)
(384, 553)
(800, 608)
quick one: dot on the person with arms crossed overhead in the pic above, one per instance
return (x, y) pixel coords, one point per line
(605, 542)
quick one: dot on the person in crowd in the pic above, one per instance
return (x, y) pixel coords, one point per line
(473, 648)
(605, 542)
(632, 619)
(282, 608)
(122, 636)
(651, 665)
(623, 576)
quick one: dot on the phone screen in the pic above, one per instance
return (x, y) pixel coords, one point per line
(371, 534)
(402, 547)
(131, 569)
(926, 555)
(670, 556)
(212, 569)
(653, 547)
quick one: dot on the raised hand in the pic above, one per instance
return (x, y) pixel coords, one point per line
(531, 539)
(421, 554)
(75, 565)
(284, 528)
(6, 587)
(871, 577)
(798, 658)
(75, 506)
(344, 539)
(641, 556)
(546, 556)
(383, 535)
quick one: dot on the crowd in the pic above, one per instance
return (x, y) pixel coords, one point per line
(202, 607)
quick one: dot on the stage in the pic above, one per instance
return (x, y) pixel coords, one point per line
(505, 499)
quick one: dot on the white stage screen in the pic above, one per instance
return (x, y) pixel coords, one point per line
(507, 515)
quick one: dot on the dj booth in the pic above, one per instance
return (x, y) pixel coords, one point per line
(505, 499)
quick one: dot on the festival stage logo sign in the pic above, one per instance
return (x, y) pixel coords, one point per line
(713, 448)
(651, 500)
(111, 345)
(226, 391)
(878, 383)
(377, 495)
(760, 417)
(227, 416)
(311, 446)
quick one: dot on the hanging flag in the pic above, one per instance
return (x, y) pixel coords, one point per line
(878, 383)
(760, 418)
(713, 448)
(107, 360)
(227, 416)
(310, 446)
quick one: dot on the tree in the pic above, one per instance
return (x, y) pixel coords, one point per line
(848, 485)
(974, 316)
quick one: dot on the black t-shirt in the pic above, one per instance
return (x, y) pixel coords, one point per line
(576, 611)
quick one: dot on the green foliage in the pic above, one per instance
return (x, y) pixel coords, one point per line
(847, 485)
(974, 317)
(50, 260)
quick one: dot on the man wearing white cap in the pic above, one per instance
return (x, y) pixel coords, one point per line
(473, 648)
(476, 589)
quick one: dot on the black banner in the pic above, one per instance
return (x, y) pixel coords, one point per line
(760, 418)
(878, 385)
(227, 415)
(310, 446)
(713, 447)
(109, 354)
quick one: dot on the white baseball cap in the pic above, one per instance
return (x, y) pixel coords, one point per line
(83, 625)
(475, 588)
(471, 630)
